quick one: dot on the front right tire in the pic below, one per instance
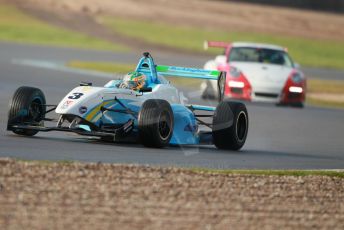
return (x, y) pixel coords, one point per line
(230, 125)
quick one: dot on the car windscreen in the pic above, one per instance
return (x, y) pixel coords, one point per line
(260, 55)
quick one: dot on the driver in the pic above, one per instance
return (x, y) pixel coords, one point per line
(133, 81)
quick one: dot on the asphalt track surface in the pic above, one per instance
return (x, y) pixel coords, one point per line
(279, 137)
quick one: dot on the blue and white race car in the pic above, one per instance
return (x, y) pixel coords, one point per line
(143, 107)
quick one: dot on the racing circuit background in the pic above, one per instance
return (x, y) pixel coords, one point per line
(55, 45)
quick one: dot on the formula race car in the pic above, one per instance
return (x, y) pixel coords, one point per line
(143, 107)
(257, 72)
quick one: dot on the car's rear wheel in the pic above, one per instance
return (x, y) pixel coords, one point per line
(155, 123)
(230, 125)
(26, 107)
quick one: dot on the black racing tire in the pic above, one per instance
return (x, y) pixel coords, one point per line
(230, 125)
(26, 107)
(155, 123)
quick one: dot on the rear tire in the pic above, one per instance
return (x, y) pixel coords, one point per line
(230, 125)
(155, 123)
(26, 107)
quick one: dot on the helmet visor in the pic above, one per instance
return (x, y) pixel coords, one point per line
(132, 84)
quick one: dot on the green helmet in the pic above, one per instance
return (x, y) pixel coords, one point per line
(134, 81)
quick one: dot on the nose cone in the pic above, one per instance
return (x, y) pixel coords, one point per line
(80, 100)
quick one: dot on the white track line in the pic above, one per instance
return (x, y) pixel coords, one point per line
(60, 67)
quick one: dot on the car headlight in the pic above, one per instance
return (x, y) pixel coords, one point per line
(234, 72)
(297, 77)
(295, 89)
(236, 84)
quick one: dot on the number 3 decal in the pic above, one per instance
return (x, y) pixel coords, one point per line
(75, 96)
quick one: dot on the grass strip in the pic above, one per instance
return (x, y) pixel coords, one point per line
(325, 86)
(16, 26)
(318, 102)
(325, 93)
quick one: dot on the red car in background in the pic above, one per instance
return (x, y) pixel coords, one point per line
(257, 72)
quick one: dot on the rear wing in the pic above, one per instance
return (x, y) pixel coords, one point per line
(147, 66)
(184, 72)
(175, 71)
(216, 44)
